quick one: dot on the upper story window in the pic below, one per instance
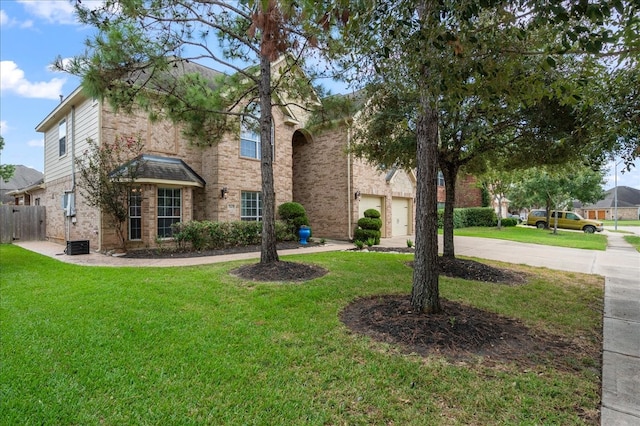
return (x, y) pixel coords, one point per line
(250, 134)
(440, 178)
(62, 138)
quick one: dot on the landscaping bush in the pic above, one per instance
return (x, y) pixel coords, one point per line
(480, 216)
(372, 213)
(509, 221)
(294, 215)
(369, 227)
(458, 218)
(208, 235)
(472, 216)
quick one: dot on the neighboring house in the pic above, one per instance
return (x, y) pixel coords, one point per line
(628, 205)
(181, 182)
(18, 190)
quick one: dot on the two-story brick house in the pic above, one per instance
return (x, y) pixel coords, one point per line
(182, 182)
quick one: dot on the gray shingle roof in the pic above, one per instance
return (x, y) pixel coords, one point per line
(157, 168)
(627, 197)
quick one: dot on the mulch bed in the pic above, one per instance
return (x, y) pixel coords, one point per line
(173, 253)
(279, 271)
(460, 333)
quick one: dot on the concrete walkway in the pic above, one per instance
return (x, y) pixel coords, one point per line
(619, 264)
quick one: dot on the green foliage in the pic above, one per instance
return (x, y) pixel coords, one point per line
(555, 187)
(108, 172)
(207, 235)
(480, 216)
(6, 170)
(509, 221)
(189, 345)
(471, 216)
(365, 234)
(369, 227)
(294, 215)
(370, 242)
(409, 243)
(372, 213)
(485, 195)
(370, 223)
(359, 244)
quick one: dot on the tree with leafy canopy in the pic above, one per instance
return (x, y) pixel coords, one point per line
(555, 187)
(6, 170)
(422, 48)
(141, 55)
(526, 122)
(107, 175)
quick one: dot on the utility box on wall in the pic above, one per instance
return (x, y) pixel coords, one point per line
(77, 247)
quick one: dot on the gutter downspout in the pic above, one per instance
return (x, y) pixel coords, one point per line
(349, 212)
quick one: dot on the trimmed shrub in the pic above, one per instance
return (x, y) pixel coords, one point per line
(364, 235)
(294, 215)
(509, 221)
(480, 216)
(370, 223)
(372, 213)
(472, 216)
(369, 227)
(207, 235)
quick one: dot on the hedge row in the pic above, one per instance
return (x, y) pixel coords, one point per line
(207, 235)
(472, 216)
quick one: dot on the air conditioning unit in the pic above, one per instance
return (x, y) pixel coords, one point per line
(77, 247)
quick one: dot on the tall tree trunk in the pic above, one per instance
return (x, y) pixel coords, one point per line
(268, 251)
(450, 173)
(425, 294)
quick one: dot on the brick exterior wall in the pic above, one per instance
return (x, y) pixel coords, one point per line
(326, 180)
(468, 194)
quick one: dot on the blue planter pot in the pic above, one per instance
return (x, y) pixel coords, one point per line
(304, 233)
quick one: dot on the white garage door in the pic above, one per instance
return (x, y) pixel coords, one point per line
(370, 202)
(400, 216)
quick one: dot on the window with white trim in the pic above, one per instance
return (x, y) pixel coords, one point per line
(250, 134)
(62, 138)
(440, 178)
(169, 210)
(135, 214)
(251, 206)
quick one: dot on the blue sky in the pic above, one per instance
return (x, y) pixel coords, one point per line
(32, 34)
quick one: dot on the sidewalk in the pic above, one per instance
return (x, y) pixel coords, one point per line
(619, 264)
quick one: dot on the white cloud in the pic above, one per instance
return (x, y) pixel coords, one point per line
(4, 127)
(5, 21)
(54, 12)
(36, 142)
(57, 11)
(12, 79)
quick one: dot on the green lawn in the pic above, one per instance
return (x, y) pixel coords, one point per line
(195, 345)
(621, 222)
(634, 240)
(532, 235)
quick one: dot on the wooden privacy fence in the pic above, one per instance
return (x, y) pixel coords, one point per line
(22, 223)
